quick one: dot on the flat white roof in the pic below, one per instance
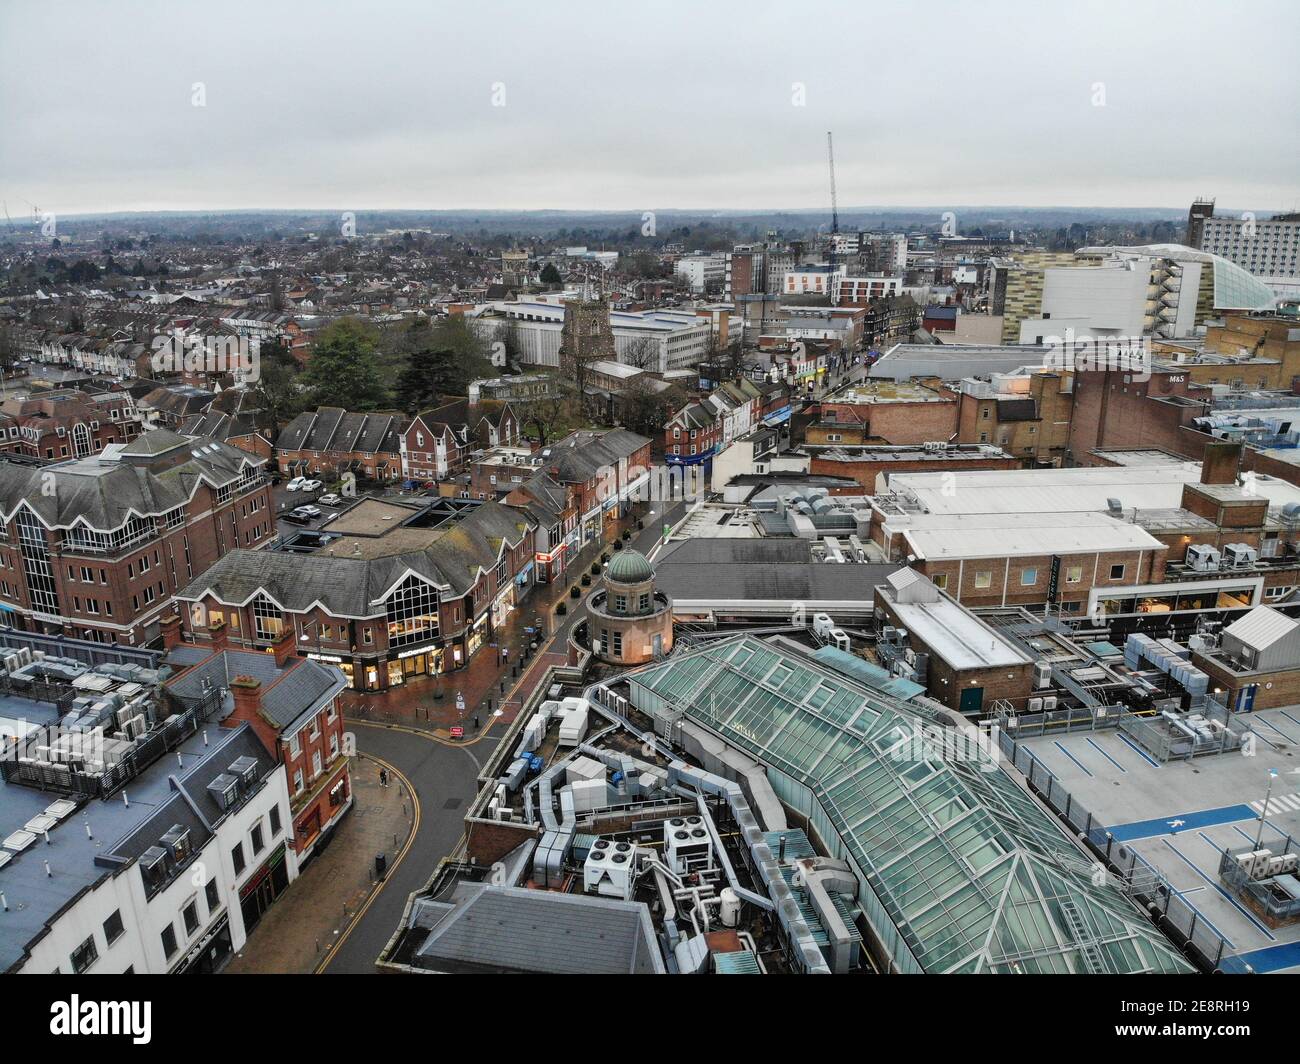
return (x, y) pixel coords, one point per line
(935, 537)
(956, 635)
(1021, 491)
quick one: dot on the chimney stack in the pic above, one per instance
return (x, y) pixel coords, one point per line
(219, 635)
(248, 698)
(171, 631)
(287, 647)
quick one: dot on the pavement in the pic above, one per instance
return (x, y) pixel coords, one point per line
(443, 777)
(302, 928)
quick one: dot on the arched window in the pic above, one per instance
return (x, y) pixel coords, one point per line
(81, 442)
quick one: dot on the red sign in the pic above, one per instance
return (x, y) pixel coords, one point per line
(458, 732)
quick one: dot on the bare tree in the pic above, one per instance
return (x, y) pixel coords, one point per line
(642, 353)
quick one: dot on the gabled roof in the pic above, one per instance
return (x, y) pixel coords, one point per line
(104, 491)
(511, 929)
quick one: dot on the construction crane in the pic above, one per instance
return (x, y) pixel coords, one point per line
(835, 207)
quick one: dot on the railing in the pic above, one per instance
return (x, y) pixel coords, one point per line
(84, 650)
(165, 737)
(1136, 877)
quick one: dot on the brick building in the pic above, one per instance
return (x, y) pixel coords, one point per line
(967, 664)
(437, 444)
(67, 423)
(293, 706)
(894, 412)
(404, 591)
(330, 440)
(865, 464)
(95, 547)
(1027, 414)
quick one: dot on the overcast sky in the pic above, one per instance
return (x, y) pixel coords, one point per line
(622, 105)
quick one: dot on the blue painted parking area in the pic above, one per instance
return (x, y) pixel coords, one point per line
(1268, 959)
(1179, 822)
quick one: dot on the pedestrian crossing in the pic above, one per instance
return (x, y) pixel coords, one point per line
(1285, 803)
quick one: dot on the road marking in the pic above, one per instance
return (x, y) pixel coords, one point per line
(1230, 899)
(1288, 803)
(401, 855)
(1077, 762)
(1139, 751)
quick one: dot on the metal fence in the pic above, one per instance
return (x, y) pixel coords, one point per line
(86, 651)
(1136, 876)
(187, 716)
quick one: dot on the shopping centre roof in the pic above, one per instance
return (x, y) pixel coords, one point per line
(972, 871)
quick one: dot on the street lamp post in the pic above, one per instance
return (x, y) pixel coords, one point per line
(1259, 836)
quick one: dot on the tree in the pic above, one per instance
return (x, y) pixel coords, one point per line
(645, 408)
(277, 392)
(550, 275)
(543, 413)
(641, 353)
(422, 382)
(439, 359)
(344, 368)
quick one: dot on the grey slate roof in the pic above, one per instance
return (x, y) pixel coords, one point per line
(736, 570)
(287, 691)
(351, 587)
(332, 428)
(582, 455)
(510, 929)
(105, 490)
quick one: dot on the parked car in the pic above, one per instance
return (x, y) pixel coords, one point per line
(310, 485)
(295, 484)
(331, 500)
(307, 511)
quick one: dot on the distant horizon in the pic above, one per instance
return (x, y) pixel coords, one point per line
(1105, 213)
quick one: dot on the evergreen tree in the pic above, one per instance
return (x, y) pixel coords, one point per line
(344, 368)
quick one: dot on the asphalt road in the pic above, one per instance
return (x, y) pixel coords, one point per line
(443, 778)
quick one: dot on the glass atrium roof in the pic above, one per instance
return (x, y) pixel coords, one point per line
(976, 876)
(1234, 287)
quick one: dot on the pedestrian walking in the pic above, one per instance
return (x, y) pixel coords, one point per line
(383, 777)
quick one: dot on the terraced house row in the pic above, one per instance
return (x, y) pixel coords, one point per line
(433, 445)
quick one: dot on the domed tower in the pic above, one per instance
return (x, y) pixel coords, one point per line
(630, 622)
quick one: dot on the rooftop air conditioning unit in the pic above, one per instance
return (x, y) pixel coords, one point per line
(1203, 558)
(687, 844)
